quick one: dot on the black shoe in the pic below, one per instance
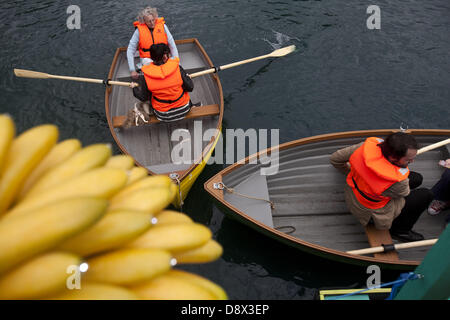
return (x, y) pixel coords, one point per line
(408, 236)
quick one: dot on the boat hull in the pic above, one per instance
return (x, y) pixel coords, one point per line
(152, 146)
(237, 175)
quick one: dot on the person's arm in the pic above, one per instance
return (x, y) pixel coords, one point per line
(131, 50)
(171, 43)
(398, 189)
(339, 159)
(188, 84)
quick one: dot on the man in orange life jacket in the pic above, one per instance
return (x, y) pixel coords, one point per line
(149, 29)
(380, 189)
(168, 85)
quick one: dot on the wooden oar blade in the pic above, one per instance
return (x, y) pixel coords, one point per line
(30, 74)
(283, 51)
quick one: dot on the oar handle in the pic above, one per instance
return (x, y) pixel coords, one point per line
(433, 146)
(399, 246)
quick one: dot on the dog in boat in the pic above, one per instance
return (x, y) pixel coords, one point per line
(138, 115)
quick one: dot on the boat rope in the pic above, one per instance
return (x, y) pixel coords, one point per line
(222, 186)
(396, 285)
(176, 177)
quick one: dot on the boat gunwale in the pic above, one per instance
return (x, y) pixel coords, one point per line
(218, 194)
(184, 173)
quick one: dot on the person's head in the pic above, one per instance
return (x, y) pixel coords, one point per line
(148, 16)
(159, 53)
(399, 148)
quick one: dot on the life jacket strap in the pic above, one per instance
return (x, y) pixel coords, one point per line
(362, 193)
(169, 101)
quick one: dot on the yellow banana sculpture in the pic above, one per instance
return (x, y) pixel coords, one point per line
(170, 216)
(172, 286)
(39, 277)
(112, 231)
(208, 252)
(25, 236)
(136, 174)
(174, 237)
(59, 153)
(7, 133)
(128, 266)
(149, 200)
(61, 203)
(120, 162)
(25, 153)
(84, 160)
(100, 183)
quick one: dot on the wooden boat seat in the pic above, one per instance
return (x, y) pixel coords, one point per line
(377, 238)
(196, 112)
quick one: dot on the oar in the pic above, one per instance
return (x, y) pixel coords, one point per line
(41, 75)
(274, 54)
(433, 146)
(399, 246)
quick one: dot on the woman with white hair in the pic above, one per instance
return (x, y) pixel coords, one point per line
(150, 29)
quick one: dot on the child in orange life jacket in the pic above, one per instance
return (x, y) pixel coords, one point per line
(380, 186)
(166, 84)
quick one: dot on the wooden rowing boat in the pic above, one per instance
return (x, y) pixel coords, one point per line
(309, 211)
(151, 145)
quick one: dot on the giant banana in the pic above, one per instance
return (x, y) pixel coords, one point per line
(59, 153)
(174, 237)
(150, 200)
(170, 216)
(128, 266)
(208, 252)
(121, 161)
(25, 153)
(168, 287)
(112, 231)
(7, 133)
(39, 277)
(28, 235)
(100, 183)
(87, 158)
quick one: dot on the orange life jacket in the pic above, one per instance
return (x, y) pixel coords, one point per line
(371, 174)
(165, 83)
(147, 38)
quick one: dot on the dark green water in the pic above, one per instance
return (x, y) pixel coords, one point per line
(342, 77)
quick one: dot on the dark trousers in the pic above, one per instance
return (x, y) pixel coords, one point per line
(415, 203)
(441, 189)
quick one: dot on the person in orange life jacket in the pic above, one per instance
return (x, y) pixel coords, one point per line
(149, 29)
(168, 85)
(380, 189)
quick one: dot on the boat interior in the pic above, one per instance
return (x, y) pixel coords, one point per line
(152, 144)
(308, 197)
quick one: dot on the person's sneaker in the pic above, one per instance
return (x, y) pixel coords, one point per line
(408, 236)
(436, 206)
